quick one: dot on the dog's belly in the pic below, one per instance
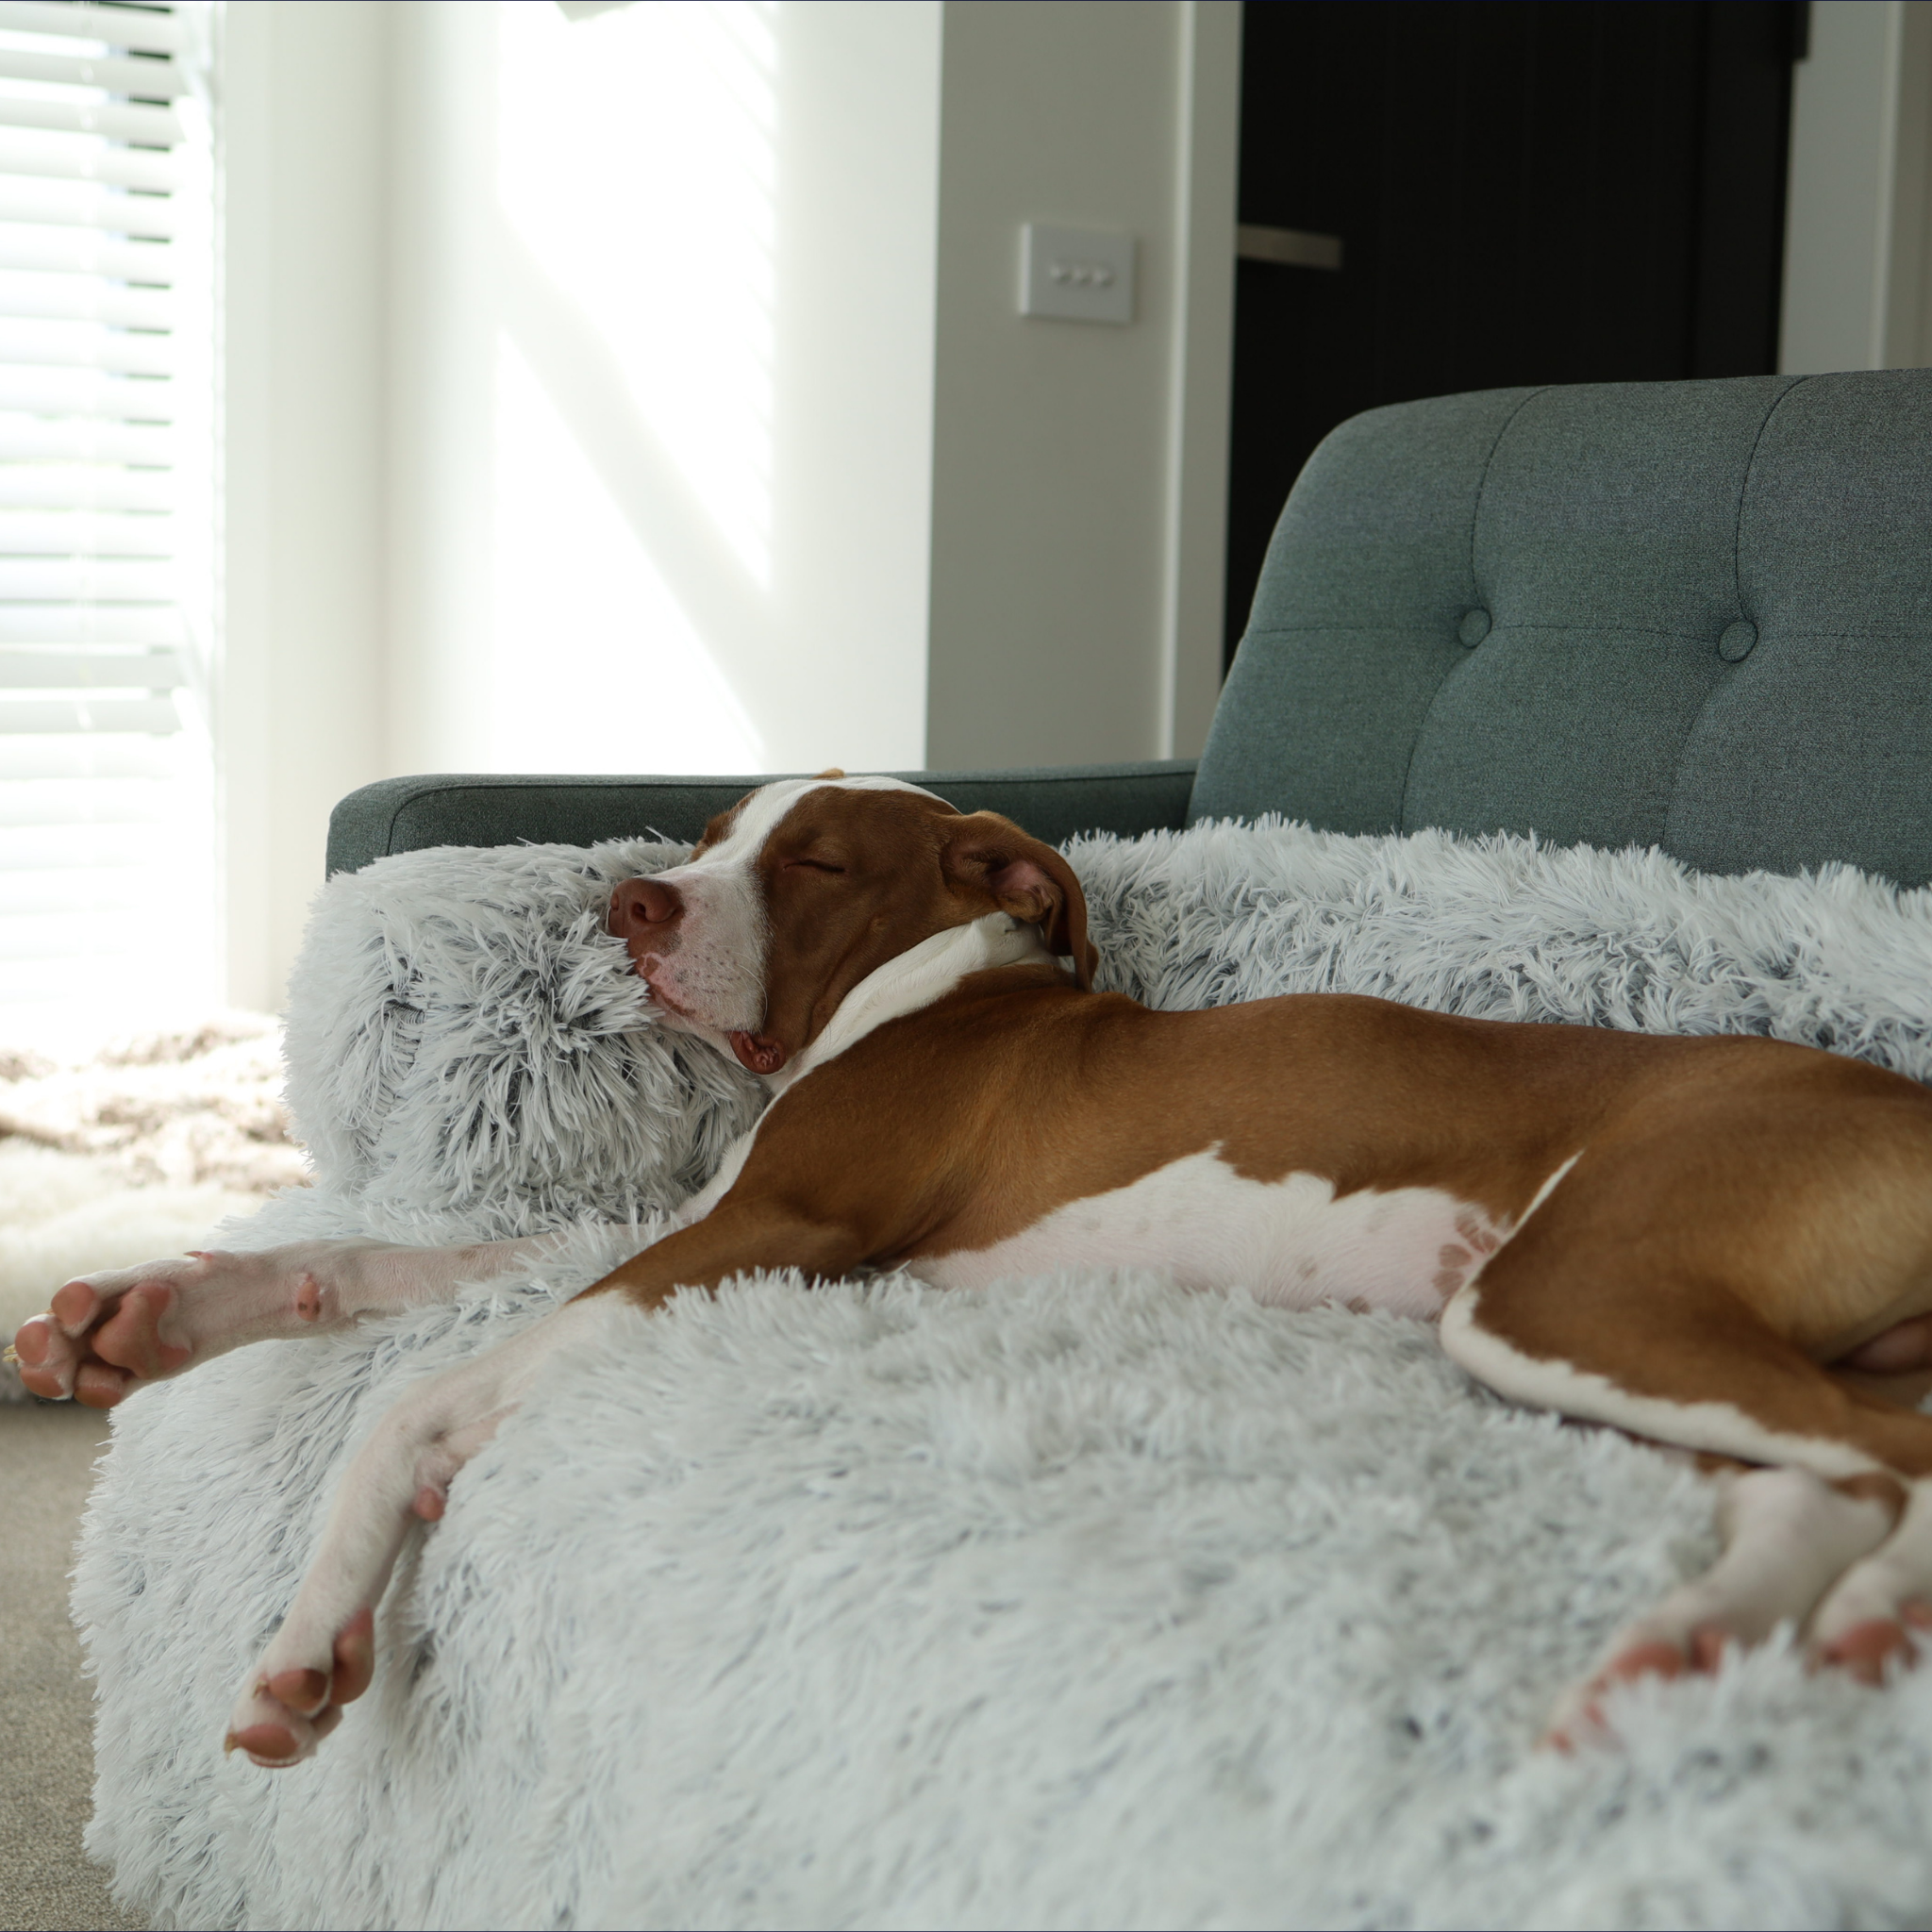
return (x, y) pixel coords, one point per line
(1289, 1241)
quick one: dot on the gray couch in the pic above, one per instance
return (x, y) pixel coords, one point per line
(875, 1607)
(1696, 615)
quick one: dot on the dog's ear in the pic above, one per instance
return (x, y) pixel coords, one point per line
(830, 771)
(1028, 879)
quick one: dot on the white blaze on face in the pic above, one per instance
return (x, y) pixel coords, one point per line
(712, 976)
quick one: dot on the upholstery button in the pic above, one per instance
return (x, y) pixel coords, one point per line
(1473, 629)
(1736, 643)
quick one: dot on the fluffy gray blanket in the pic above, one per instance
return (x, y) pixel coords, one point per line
(1075, 1602)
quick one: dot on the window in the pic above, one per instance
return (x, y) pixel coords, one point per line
(108, 910)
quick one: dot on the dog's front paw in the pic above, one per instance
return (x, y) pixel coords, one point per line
(103, 1333)
(296, 1695)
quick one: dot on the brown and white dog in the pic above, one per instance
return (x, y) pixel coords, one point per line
(1718, 1245)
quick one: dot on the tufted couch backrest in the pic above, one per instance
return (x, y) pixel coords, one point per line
(1696, 615)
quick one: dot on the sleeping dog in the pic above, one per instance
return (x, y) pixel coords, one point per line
(1720, 1244)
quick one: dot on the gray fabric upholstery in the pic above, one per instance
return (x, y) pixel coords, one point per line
(407, 814)
(1696, 615)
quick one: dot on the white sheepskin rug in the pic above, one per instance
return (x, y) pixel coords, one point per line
(139, 1147)
(1076, 1602)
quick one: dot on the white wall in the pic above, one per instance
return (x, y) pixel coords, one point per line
(660, 442)
(496, 503)
(955, 497)
(493, 502)
(1080, 469)
(1857, 248)
(303, 376)
(646, 392)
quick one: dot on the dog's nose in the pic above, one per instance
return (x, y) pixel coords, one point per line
(638, 905)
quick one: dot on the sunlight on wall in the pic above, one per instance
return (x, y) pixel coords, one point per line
(634, 396)
(661, 392)
(581, 609)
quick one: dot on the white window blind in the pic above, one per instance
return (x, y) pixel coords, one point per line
(106, 504)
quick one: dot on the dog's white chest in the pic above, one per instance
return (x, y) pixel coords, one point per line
(1289, 1241)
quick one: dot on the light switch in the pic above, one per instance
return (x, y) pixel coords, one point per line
(1076, 274)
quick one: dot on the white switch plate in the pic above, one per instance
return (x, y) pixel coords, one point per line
(1076, 274)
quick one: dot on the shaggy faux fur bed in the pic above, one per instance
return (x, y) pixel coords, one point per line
(1075, 1602)
(140, 1147)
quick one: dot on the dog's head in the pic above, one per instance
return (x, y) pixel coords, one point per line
(806, 885)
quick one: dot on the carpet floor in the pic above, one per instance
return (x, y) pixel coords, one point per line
(136, 1148)
(133, 1148)
(46, 1706)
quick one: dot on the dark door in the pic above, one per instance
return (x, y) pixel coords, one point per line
(1451, 195)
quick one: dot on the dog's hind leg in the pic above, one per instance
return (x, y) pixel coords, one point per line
(1788, 1536)
(1667, 1342)
(1867, 1620)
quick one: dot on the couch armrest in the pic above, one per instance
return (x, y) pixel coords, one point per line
(407, 814)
